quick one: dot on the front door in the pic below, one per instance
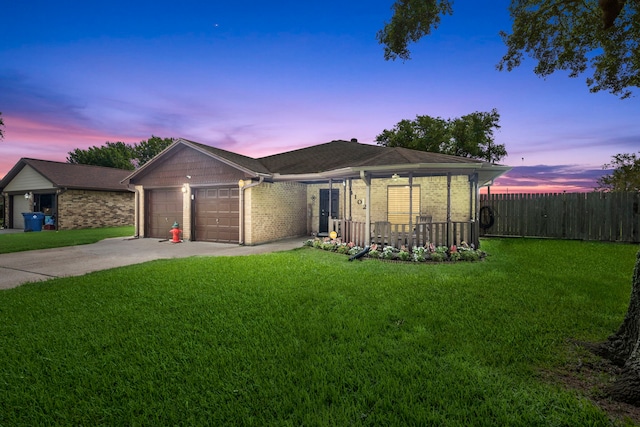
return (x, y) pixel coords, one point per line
(324, 208)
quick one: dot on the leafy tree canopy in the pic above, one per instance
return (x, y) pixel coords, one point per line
(568, 35)
(120, 155)
(625, 175)
(468, 136)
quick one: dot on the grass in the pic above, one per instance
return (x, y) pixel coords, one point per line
(306, 338)
(18, 242)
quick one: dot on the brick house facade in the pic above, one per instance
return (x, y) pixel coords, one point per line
(216, 195)
(69, 196)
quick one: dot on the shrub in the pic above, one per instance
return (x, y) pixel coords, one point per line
(469, 255)
(438, 256)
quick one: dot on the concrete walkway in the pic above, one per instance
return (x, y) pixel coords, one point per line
(22, 267)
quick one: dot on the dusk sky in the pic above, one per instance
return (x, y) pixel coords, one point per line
(259, 78)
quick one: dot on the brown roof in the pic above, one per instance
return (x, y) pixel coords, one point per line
(320, 161)
(342, 154)
(66, 175)
(244, 162)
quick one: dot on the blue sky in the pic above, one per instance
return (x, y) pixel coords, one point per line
(260, 78)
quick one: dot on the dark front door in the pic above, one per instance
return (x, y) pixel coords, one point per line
(324, 208)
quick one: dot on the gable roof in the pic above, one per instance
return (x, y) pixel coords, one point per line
(343, 159)
(73, 176)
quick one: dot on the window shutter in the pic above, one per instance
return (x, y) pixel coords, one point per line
(398, 203)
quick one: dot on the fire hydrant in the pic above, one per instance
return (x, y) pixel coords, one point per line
(175, 232)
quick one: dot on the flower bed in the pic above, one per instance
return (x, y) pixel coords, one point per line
(427, 253)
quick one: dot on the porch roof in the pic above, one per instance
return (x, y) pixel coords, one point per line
(344, 159)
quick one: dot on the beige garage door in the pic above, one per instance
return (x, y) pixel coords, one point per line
(20, 205)
(216, 215)
(164, 207)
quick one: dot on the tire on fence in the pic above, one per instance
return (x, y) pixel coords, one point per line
(487, 218)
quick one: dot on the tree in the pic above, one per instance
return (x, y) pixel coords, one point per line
(568, 35)
(120, 155)
(622, 348)
(1, 126)
(112, 154)
(148, 149)
(625, 175)
(468, 136)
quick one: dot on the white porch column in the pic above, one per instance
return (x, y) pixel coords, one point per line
(367, 225)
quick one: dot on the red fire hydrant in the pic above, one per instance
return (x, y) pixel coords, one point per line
(175, 232)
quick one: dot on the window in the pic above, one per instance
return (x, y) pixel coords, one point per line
(398, 203)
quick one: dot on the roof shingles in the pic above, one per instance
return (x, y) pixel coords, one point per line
(66, 175)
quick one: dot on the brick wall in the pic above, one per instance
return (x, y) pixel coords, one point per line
(431, 190)
(277, 210)
(94, 209)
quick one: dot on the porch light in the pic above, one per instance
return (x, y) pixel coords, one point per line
(28, 195)
(395, 176)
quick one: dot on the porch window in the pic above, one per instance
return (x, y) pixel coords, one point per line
(398, 203)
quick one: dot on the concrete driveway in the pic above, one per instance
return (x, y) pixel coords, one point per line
(22, 267)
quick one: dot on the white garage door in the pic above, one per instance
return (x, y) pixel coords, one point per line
(20, 204)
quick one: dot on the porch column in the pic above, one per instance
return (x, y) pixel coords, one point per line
(410, 243)
(475, 209)
(367, 219)
(449, 228)
(329, 218)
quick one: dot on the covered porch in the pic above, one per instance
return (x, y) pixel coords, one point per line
(408, 205)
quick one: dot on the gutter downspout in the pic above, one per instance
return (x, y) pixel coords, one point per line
(242, 188)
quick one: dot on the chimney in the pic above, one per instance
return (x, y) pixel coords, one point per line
(354, 140)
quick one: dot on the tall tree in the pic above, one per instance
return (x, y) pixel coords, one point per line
(1, 126)
(471, 135)
(148, 149)
(120, 155)
(112, 154)
(625, 175)
(568, 35)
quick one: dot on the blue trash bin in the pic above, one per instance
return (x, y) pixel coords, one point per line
(33, 221)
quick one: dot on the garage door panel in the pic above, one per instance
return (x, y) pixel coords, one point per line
(164, 207)
(216, 214)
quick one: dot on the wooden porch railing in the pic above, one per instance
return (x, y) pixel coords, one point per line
(397, 235)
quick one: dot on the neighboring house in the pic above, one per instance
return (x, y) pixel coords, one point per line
(70, 196)
(363, 192)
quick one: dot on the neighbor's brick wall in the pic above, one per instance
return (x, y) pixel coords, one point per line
(277, 211)
(94, 209)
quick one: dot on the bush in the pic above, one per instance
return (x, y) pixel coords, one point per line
(429, 252)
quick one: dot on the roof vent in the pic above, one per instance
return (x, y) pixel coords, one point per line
(354, 140)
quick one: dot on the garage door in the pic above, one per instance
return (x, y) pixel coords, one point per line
(20, 204)
(164, 207)
(217, 214)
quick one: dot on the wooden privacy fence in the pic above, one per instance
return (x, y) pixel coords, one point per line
(599, 216)
(398, 235)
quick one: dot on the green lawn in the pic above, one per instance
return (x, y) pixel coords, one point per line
(307, 338)
(18, 242)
